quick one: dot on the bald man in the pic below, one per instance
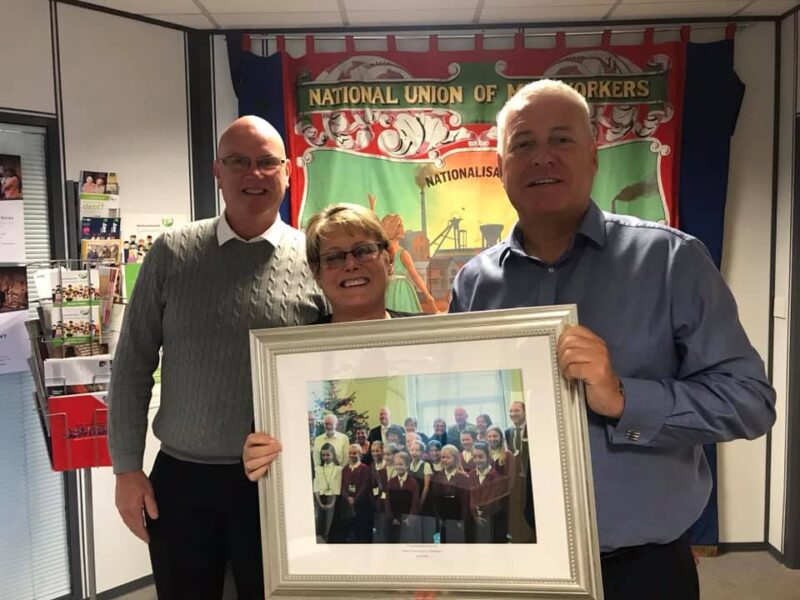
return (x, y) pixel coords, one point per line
(199, 292)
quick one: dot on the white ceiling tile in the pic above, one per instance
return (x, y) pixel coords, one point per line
(269, 6)
(535, 4)
(677, 10)
(408, 5)
(456, 16)
(677, 1)
(195, 21)
(544, 13)
(144, 7)
(276, 20)
(768, 8)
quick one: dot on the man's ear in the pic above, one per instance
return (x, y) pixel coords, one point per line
(215, 168)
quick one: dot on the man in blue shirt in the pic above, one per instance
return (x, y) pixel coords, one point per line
(660, 350)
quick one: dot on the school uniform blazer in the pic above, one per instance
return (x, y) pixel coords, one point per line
(507, 466)
(487, 494)
(467, 465)
(359, 479)
(402, 499)
(378, 481)
(457, 488)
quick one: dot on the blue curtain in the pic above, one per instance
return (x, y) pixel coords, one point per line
(712, 99)
(258, 83)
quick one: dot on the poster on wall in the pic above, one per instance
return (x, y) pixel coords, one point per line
(413, 135)
(13, 288)
(14, 345)
(12, 231)
(139, 231)
(10, 177)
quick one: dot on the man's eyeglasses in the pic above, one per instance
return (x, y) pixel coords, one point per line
(241, 164)
(362, 254)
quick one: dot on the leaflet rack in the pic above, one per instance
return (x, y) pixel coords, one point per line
(76, 329)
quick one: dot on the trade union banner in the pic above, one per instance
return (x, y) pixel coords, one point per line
(413, 134)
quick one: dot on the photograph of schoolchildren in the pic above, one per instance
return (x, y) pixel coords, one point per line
(438, 458)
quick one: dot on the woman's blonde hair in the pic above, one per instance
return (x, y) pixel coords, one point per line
(391, 225)
(351, 218)
(455, 454)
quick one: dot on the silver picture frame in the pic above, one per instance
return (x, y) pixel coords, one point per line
(564, 561)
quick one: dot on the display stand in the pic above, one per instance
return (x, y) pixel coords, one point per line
(71, 405)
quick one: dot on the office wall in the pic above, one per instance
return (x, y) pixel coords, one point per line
(746, 267)
(783, 271)
(27, 74)
(125, 111)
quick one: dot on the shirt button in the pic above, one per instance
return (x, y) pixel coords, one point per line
(551, 270)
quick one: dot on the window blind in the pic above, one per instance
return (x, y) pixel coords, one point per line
(33, 534)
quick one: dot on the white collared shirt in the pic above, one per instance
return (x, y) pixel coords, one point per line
(402, 479)
(482, 474)
(272, 234)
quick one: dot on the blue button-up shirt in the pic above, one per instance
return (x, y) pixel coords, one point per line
(673, 333)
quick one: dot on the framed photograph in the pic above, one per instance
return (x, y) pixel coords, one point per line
(391, 482)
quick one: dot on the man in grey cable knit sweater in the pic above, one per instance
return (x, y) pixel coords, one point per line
(200, 290)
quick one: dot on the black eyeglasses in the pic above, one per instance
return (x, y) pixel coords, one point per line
(241, 164)
(363, 254)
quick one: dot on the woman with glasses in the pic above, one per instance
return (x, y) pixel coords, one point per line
(348, 252)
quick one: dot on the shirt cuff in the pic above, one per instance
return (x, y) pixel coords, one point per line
(126, 462)
(646, 409)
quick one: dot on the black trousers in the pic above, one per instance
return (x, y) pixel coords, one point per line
(208, 516)
(651, 571)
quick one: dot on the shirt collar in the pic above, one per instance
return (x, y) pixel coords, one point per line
(272, 234)
(592, 228)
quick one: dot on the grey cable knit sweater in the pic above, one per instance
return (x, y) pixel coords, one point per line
(198, 300)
